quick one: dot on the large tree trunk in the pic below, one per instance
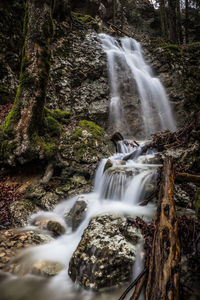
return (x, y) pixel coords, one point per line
(186, 21)
(163, 18)
(179, 23)
(172, 21)
(163, 277)
(26, 116)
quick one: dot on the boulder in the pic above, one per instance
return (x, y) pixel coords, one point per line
(12, 242)
(20, 212)
(49, 222)
(106, 253)
(77, 213)
(48, 201)
(56, 228)
(46, 268)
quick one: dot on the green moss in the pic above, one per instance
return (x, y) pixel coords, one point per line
(14, 115)
(6, 147)
(193, 47)
(48, 147)
(77, 134)
(96, 130)
(52, 126)
(85, 19)
(59, 115)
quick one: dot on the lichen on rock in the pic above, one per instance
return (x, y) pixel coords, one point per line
(106, 253)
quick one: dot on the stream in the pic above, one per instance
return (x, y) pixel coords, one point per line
(119, 186)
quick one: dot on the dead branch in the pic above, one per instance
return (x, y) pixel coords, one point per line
(163, 275)
(138, 287)
(188, 177)
(115, 28)
(129, 288)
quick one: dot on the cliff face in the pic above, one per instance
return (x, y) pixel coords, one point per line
(78, 87)
(78, 80)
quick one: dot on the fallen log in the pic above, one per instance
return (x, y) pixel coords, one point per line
(163, 276)
(181, 177)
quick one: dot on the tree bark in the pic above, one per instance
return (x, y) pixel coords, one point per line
(163, 18)
(114, 12)
(186, 21)
(163, 276)
(172, 21)
(26, 116)
(179, 23)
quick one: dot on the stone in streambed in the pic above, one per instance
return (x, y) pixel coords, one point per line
(106, 253)
(46, 268)
(77, 213)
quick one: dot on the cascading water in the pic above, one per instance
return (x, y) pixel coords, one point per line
(155, 109)
(120, 185)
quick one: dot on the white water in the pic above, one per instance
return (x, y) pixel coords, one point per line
(118, 190)
(60, 250)
(156, 112)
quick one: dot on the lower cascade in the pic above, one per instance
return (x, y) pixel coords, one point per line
(95, 246)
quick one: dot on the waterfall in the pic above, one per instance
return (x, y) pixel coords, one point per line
(125, 56)
(120, 183)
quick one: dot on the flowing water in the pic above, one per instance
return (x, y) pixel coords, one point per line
(155, 109)
(118, 189)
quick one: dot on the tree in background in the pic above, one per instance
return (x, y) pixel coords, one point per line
(176, 15)
(26, 118)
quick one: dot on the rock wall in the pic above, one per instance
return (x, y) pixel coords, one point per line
(78, 78)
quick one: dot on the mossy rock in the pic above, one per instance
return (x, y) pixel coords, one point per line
(59, 115)
(43, 145)
(88, 20)
(93, 128)
(52, 126)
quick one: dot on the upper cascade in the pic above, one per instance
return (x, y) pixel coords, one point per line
(127, 66)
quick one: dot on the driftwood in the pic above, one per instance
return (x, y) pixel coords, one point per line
(164, 274)
(181, 177)
(131, 286)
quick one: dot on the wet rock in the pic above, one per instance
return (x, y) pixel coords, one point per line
(77, 213)
(20, 212)
(13, 241)
(105, 254)
(46, 268)
(129, 171)
(181, 197)
(108, 165)
(56, 228)
(111, 163)
(48, 201)
(183, 211)
(49, 222)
